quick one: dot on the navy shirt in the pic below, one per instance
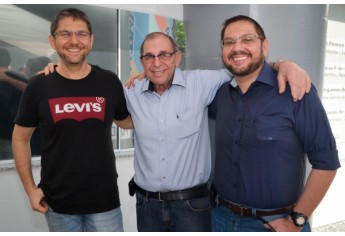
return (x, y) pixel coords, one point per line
(262, 140)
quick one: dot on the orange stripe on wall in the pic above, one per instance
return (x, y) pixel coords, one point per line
(161, 22)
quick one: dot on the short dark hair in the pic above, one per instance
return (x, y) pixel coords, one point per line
(154, 35)
(70, 12)
(5, 57)
(259, 30)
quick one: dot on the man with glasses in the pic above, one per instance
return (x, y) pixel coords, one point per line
(172, 148)
(75, 107)
(262, 139)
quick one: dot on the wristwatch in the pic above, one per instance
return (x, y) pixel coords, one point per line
(299, 219)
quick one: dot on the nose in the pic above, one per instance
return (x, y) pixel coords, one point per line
(74, 37)
(237, 45)
(156, 62)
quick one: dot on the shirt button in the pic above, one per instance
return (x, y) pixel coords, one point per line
(236, 142)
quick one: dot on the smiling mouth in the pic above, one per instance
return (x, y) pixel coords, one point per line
(73, 50)
(157, 72)
(239, 58)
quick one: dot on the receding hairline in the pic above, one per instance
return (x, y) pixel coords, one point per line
(155, 35)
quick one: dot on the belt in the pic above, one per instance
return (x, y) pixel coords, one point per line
(249, 212)
(186, 194)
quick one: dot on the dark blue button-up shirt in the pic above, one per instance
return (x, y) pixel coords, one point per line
(262, 140)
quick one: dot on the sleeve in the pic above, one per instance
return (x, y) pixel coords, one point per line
(212, 80)
(121, 111)
(27, 114)
(313, 128)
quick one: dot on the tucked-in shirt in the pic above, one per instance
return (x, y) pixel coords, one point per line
(171, 138)
(262, 138)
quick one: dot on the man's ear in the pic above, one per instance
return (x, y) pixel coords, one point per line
(265, 47)
(51, 40)
(91, 43)
(178, 58)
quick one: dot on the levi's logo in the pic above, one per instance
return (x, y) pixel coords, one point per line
(77, 108)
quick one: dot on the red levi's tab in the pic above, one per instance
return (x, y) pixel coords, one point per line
(77, 108)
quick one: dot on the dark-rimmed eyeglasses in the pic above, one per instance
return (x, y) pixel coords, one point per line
(246, 39)
(149, 58)
(66, 34)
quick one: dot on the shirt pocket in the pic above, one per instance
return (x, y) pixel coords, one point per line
(272, 128)
(187, 125)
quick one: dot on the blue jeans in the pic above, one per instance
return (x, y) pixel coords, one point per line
(110, 221)
(224, 220)
(175, 216)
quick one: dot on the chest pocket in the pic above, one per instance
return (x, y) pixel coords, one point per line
(187, 124)
(271, 128)
(189, 111)
(188, 119)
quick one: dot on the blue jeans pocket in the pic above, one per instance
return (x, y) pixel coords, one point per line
(141, 200)
(199, 204)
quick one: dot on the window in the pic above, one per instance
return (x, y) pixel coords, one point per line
(24, 34)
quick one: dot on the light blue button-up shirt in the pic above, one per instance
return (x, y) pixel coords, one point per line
(171, 138)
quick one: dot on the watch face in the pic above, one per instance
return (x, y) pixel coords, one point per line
(300, 220)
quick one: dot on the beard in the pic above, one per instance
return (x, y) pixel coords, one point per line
(69, 61)
(253, 66)
(72, 60)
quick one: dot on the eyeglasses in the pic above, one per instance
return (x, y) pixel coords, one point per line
(246, 39)
(66, 34)
(149, 58)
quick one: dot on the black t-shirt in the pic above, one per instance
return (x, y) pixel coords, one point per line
(78, 174)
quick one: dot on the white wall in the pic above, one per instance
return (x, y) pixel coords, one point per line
(15, 211)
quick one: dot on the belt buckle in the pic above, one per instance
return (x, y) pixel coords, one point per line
(241, 210)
